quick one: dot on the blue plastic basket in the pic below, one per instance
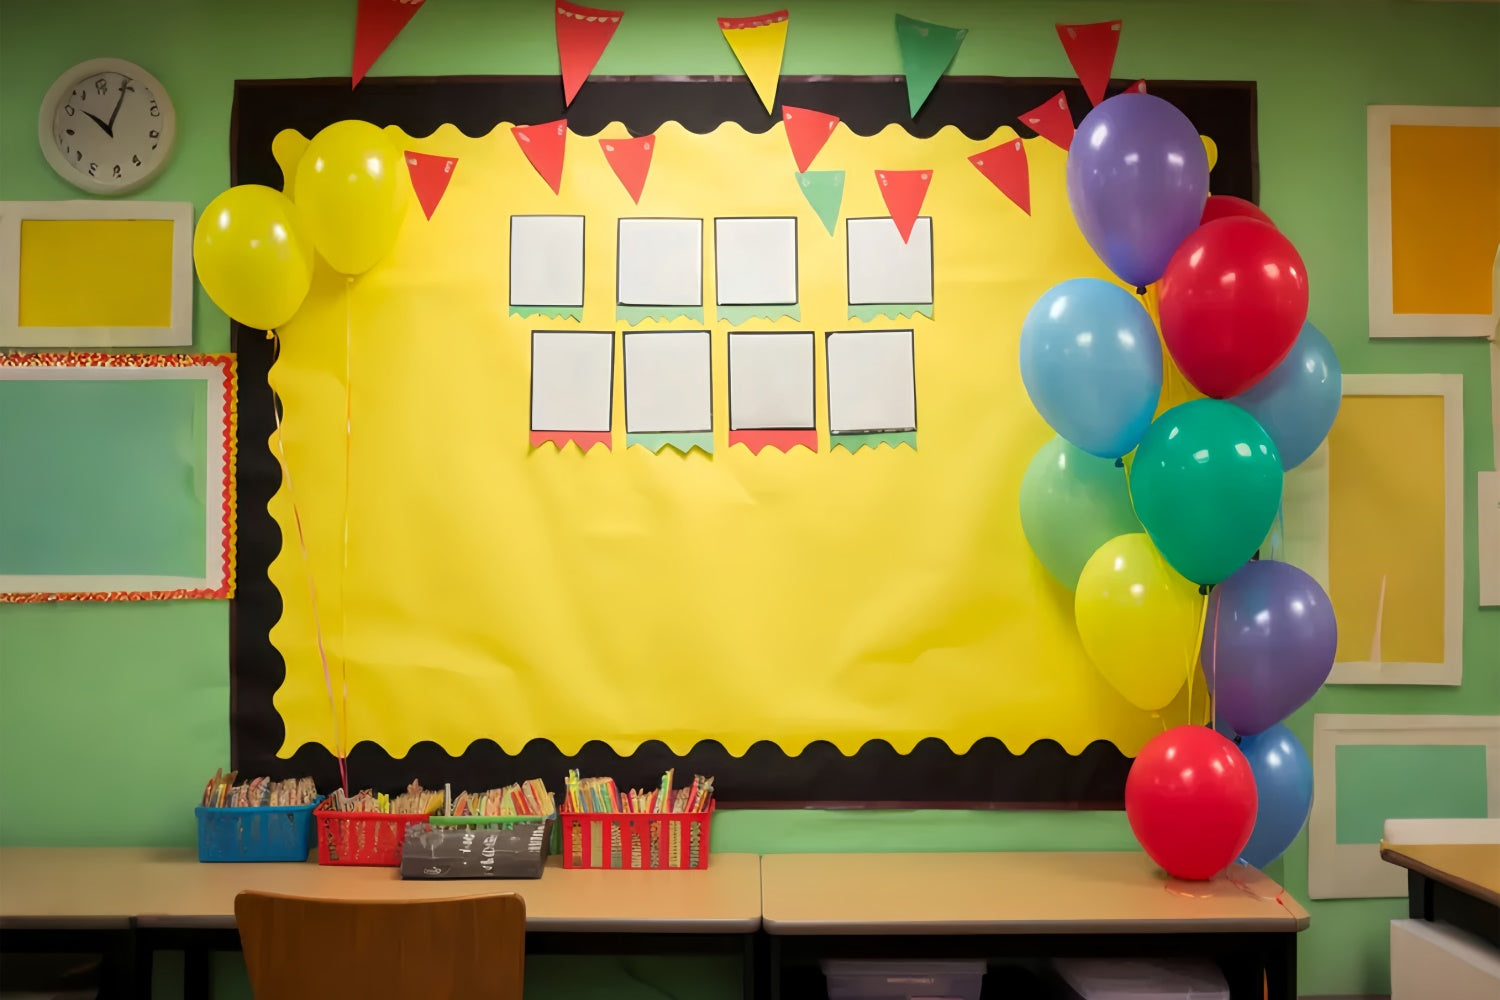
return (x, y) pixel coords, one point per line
(255, 833)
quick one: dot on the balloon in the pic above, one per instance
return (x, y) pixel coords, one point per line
(1072, 503)
(254, 256)
(1233, 298)
(1283, 788)
(1138, 620)
(352, 187)
(1191, 801)
(1268, 644)
(1091, 363)
(1137, 182)
(1224, 206)
(1297, 401)
(1206, 484)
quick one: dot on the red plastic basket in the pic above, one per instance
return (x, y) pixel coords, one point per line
(635, 841)
(351, 838)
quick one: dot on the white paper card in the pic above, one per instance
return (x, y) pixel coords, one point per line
(668, 382)
(882, 269)
(1489, 539)
(755, 261)
(871, 382)
(771, 381)
(572, 380)
(546, 260)
(660, 262)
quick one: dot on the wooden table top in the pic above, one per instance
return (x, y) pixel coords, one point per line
(1469, 868)
(1011, 893)
(76, 887)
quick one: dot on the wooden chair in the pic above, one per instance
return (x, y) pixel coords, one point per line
(323, 949)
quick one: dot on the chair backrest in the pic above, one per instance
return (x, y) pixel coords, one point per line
(325, 949)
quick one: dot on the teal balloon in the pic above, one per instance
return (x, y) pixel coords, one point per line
(1206, 484)
(1072, 503)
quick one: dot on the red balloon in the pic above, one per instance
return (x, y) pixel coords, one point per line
(1191, 801)
(1233, 299)
(1224, 206)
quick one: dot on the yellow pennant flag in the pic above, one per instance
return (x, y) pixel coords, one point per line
(758, 43)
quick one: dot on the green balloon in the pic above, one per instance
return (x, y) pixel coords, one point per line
(1072, 503)
(1206, 483)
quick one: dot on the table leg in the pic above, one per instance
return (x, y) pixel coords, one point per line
(1418, 896)
(1281, 967)
(773, 967)
(197, 973)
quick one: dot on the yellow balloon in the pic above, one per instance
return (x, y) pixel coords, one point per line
(1138, 619)
(254, 256)
(1212, 149)
(351, 186)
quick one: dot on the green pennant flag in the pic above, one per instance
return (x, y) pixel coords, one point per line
(824, 191)
(926, 51)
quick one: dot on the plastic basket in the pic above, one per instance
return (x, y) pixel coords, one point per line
(457, 847)
(255, 833)
(636, 841)
(352, 838)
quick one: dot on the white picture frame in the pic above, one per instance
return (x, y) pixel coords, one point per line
(1385, 322)
(1355, 871)
(179, 330)
(1305, 501)
(885, 269)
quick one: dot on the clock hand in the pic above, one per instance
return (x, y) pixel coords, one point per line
(124, 86)
(106, 127)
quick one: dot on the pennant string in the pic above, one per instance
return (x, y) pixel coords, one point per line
(312, 589)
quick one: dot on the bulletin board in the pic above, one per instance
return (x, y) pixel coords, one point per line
(642, 580)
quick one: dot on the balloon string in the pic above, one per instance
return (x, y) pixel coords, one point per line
(348, 436)
(1213, 657)
(312, 590)
(1195, 655)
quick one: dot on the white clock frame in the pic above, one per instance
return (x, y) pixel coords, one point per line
(59, 92)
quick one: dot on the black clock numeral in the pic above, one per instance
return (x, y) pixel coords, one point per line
(155, 134)
(117, 170)
(80, 156)
(92, 168)
(69, 131)
(101, 86)
(134, 158)
(70, 110)
(155, 110)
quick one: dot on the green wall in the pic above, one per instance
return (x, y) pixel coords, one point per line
(139, 693)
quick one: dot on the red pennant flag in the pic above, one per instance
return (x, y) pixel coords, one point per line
(429, 178)
(1091, 50)
(904, 191)
(1139, 87)
(376, 25)
(544, 146)
(1005, 166)
(583, 33)
(1052, 121)
(630, 159)
(806, 132)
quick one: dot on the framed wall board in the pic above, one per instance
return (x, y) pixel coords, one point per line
(1376, 517)
(119, 474)
(96, 274)
(1434, 220)
(1445, 766)
(812, 766)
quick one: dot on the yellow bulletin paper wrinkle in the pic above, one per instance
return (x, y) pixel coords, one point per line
(498, 592)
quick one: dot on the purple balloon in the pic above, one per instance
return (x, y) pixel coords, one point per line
(1137, 182)
(1268, 644)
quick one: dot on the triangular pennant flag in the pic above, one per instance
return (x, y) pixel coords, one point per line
(824, 191)
(1052, 121)
(429, 178)
(630, 159)
(1139, 87)
(1005, 166)
(807, 132)
(758, 43)
(583, 33)
(544, 146)
(376, 25)
(1091, 50)
(904, 191)
(926, 51)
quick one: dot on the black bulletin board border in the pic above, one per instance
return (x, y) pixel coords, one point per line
(932, 774)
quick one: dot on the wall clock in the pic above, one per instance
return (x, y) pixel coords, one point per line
(107, 126)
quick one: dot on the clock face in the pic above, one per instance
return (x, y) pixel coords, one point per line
(111, 129)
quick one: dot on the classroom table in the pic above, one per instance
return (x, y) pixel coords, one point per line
(1024, 905)
(1458, 884)
(163, 899)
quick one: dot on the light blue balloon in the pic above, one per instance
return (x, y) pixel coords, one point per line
(1283, 788)
(1091, 363)
(1298, 399)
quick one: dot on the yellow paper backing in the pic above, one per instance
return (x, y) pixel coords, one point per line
(95, 272)
(496, 592)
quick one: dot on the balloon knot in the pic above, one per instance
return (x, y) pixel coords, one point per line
(1255, 557)
(1140, 290)
(1202, 590)
(1120, 462)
